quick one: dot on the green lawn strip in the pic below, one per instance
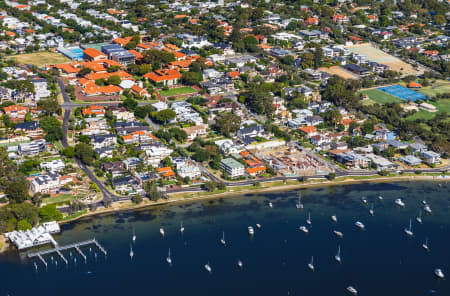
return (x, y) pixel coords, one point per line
(57, 199)
(76, 215)
(437, 88)
(177, 91)
(381, 97)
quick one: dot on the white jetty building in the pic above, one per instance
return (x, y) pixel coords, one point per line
(36, 236)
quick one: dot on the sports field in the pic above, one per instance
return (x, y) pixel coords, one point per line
(375, 55)
(381, 97)
(177, 91)
(439, 87)
(40, 59)
(403, 93)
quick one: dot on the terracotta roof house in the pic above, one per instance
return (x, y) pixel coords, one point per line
(93, 54)
(167, 77)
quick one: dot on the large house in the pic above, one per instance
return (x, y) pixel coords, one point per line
(167, 77)
(16, 112)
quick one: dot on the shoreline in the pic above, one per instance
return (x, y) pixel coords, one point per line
(128, 206)
(252, 190)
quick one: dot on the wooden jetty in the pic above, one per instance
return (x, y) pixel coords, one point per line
(59, 249)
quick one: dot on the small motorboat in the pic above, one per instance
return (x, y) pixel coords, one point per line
(352, 290)
(161, 231)
(208, 267)
(360, 225)
(380, 197)
(427, 209)
(251, 231)
(338, 233)
(240, 264)
(303, 229)
(399, 202)
(258, 226)
(438, 272)
(270, 205)
(334, 218)
(364, 200)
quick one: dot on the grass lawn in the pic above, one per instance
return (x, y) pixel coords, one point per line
(177, 91)
(57, 199)
(381, 97)
(441, 105)
(437, 88)
(40, 59)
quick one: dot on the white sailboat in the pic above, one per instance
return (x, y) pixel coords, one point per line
(270, 205)
(380, 197)
(338, 255)
(251, 231)
(208, 267)
(258, 226)
(304, 229)
(334, 218)
(399, 202)
(240, 264)
(371, 212)
(299, 204)
(161, 231)
(338, 233)
(427, 209)
(308, 221)
(169, 258)
(311, 264)
(352, 290)
(419, 219)
(364, 200)
(181, 227)
(134, 236)
(438, 272)
(425, 245)
(360, 225)
(222, 240)
(131, 252)
(409, 231)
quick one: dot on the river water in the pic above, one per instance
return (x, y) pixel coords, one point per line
(381, 260)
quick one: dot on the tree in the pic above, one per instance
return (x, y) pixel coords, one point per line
(331, 176)
(84, 71)
(439, 19)
(49, 106)
(114, 80)
(23, 225)
(85, 153)
(137, 199)
(210, 186)
(17, 189)
(228, 123)
(164, 115)
(50, 213)
(52, 127)
(200, 155)
(151, 190)
(191, 78)
(69, 152)
(130, 104)
(318, 57)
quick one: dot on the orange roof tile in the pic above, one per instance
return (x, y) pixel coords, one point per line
(94, 53)
(180, 16)
(256, 170)
(414, 85)
(233, 74)
(308, 129)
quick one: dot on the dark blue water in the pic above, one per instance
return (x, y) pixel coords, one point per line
(381, 260)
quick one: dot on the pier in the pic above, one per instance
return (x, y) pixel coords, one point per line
(59, 249)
